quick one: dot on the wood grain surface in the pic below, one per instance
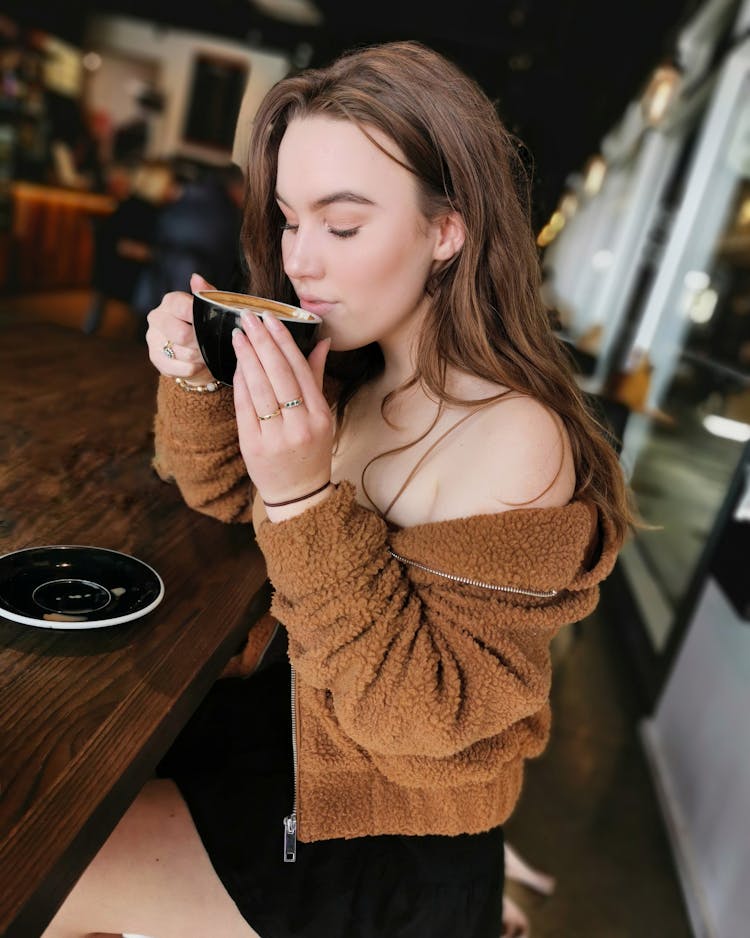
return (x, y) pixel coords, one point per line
(85, 716)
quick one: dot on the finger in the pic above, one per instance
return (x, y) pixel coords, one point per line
(176, 369)
(272, 357)
(197, 282)
(182, 353)
(309, 384)
(174, 315)
(261, 393)
(243, 406)
(175, 338)
(169, 358)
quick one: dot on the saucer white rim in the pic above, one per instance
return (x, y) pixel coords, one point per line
(314, 318)
(88, 623)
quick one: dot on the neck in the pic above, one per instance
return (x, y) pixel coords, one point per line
(400, 350)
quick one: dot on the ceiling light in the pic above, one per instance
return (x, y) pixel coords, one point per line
(726, 428)
(546, 236)
(659, 94)
(702, 307)
(696, 280)
(596, 170)
(568, 204)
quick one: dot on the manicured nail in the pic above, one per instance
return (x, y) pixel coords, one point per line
(250, 320)
(236, 333)
(272, 322)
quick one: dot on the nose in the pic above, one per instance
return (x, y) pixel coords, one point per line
(302, 256)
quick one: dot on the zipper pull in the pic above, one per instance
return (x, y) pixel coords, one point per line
(290, 838)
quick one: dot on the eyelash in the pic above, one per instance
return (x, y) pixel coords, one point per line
(343, 232)
(338, 232)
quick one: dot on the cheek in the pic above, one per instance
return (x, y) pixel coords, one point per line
(285, 250)
(400, 262)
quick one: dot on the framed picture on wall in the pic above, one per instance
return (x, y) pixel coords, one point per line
(216, 92)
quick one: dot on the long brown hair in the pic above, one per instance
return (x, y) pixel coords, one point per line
(486, 316)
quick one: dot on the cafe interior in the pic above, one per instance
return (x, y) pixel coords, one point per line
(637, 812)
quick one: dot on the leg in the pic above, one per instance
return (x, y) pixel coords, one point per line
(518, 869)
(515, 923)
(152, 877)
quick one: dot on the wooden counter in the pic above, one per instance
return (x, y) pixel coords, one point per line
(51, 244)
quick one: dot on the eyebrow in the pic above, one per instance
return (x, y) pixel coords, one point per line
(343, 196)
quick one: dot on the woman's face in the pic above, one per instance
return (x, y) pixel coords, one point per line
(355, 246)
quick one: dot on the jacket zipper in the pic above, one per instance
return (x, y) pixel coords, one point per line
(290, 821)
(538, 594)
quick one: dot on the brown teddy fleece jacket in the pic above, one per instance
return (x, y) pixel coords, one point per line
(421, 655)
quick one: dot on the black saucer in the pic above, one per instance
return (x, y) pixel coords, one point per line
(72, 587)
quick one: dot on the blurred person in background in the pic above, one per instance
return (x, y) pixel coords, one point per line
(124, 240)
(198, 229)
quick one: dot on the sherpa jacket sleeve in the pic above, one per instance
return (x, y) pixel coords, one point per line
(416, 664)
(196, 446)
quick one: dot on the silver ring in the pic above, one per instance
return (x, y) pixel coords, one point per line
(295, 403)
(168, 349)
(269, 416)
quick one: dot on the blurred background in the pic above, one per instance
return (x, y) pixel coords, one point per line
(120, 124)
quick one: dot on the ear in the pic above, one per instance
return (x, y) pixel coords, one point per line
(451, 233)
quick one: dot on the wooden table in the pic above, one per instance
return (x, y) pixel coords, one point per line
(85, 716)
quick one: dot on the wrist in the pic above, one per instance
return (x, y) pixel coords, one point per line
(198, 387)
(279, 512)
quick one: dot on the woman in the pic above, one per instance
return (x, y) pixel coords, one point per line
(429, 520)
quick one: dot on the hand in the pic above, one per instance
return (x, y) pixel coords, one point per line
(172, 322)
(287, 454)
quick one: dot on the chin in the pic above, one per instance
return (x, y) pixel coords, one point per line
(339, 343)
(342, 345)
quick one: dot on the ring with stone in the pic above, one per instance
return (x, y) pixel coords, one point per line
(287, 405)
(168, 349)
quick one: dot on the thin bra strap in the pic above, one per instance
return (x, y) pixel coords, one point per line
(494, 400)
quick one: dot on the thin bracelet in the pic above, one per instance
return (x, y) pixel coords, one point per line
(198, 388)
(301, 498)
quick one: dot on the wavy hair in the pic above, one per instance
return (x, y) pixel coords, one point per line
(486, 315)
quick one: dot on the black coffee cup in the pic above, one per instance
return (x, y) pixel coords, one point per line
(216, 313)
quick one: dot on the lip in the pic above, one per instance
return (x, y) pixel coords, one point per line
(315, 305)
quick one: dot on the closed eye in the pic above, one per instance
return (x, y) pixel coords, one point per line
(287, 227)
(343, 232)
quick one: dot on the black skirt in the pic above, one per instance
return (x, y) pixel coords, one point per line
(233, 766)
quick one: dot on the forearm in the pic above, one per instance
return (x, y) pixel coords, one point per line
(196, 446)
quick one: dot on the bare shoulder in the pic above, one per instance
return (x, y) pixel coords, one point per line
(516, 453)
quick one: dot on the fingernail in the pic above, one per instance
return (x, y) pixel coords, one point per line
(250, 320)
(236, 332)
(272, 322)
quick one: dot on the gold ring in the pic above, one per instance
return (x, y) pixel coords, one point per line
(295, 403)
(268, 416)
(168, 349)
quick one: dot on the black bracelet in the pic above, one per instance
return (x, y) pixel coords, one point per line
(301, 498)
